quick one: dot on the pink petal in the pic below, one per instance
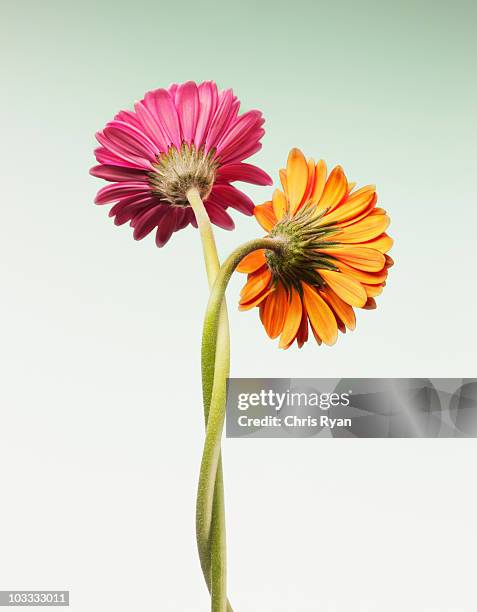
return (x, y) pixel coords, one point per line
(166, 227)
(127, 116)
(243, 172)
(129, 208)
(116, 173)
(247, 150)
(192, 218)
(208, 98)
(105, 156)
(151, 126)
(121, 150)
(245, 133)
(131, 201)
(240, 130)
(147, 221)
(223, 118)
(187, 104)
(172, 89)
(111, 193)
(167, 116)
(149, 102)
(132, 139)
(182, 218)
(218, 216)
(227, 195)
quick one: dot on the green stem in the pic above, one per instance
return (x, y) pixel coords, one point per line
(216, 542)
(211, 339)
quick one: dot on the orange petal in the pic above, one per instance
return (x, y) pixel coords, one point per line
(322, 319)
(283, 179)
(256, 283)
(389, 261)
(339, 323)
(347, 288)
(368, 228)
(256, 301)
(335, 189)
(343, 310)
(292, 320)
(261, 308)
(265, 216)
(373, 290)
(279, 203)
(319, 341)
(310, 182)
(370, 304)
(363, 189)
(371, 278)
(297, 178)
(353, 206)
(382, 243)
(359, 257)
(367, 211)
(252, 262)
(302, 334)
(319, 181)
(274, 311)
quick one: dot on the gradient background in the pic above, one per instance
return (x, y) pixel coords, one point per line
(100, 411)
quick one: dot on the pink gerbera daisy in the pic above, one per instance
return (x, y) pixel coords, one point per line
(187, 136)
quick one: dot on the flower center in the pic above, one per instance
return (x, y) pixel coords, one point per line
(300, 260)
(177, 171)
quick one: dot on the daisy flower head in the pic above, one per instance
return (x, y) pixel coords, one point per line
(333, 259)
(189, 136)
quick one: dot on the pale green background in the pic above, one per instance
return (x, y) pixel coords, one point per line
(100, 412)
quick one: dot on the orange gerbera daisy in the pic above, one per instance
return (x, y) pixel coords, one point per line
(333, 257)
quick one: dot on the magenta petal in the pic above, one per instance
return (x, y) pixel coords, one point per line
(128, 214)
(125, 202)
(151, 127)
(129, 117)
(147, 221)
(166, 227)
(246, 132)
(192, 219)
(219, 216)
(167, 116)
(247, 173)
(150, 104)
(246, 151)
(221, 120)
(227, 195)
(128, 208)
(131, 139)
(105, 156)
(182, 218)
(115, 191)
(240, 129)
(120, 149)
(172, 89)
(117, 173)
(187, 104)
(208, 99)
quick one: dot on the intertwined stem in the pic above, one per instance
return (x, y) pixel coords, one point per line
(206, 518)
(212, 547)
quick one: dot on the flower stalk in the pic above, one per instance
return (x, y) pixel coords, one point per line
(206, 520)
(213, 545)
